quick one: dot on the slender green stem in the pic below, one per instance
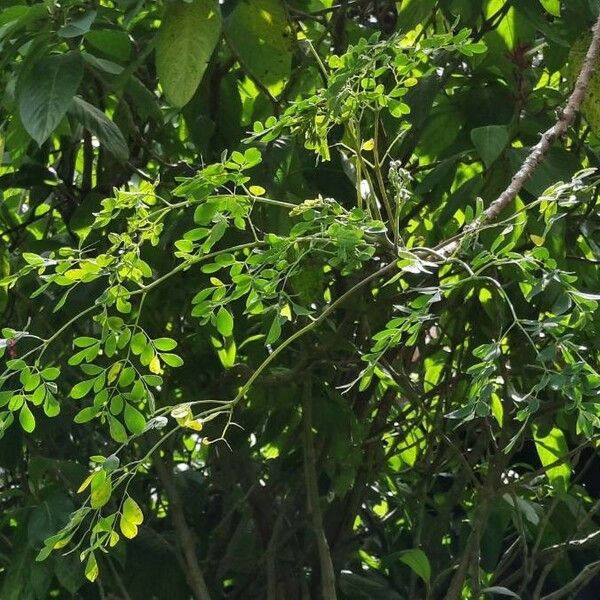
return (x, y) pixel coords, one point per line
(309, 327)
(392, 215)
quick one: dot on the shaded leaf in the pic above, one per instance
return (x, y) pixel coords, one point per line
(187, 37)
(78, 26)
(97, 123)
(417, 560)
(46, 92)
(259, 33)
(489, 142)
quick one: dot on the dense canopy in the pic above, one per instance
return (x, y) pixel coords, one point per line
(299, 299)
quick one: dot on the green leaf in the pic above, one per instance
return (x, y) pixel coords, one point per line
(111, 42)
(86, 414)
(224, 322)
(551, 6)
(412, 12)
(79, 390)
(559, 165)
(259, 34)
(274, 331)
(134, 419)
(26, 419)
(78, 26)
(51, 405)
(417, 560)
(101, 489)
(97, 123)
(46, 91)
(126, 377)
(164, 344)
(84, 341)
(187, 37)
(489, 142)
(50, 373)
(108, 66)
(138, 343)
(111, 463)
(117, 431)
(173, 360)
(33, 259)
(591, 103)
(552, 446)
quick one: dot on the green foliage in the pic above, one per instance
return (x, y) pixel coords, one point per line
(238, 360)
(45, 92)
(260, 37)
(187, 37)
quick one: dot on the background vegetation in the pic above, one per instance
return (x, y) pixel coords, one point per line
(266, 334)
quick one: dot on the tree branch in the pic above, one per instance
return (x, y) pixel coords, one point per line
(185, 539)
(312, 499)
(587, 573)
(540, 150)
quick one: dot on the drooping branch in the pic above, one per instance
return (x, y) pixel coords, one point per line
(540, 150)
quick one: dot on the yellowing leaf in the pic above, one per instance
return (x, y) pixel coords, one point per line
(537, 240)
(497, 409)
(368, 145)
(286, 312)
(132, 512)
(101, 490)
(91, 568)
(114, 371)
(128, 529)
(194, 424)
(154, 365)
(257, 190)
(86, 482)
(62, 542)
